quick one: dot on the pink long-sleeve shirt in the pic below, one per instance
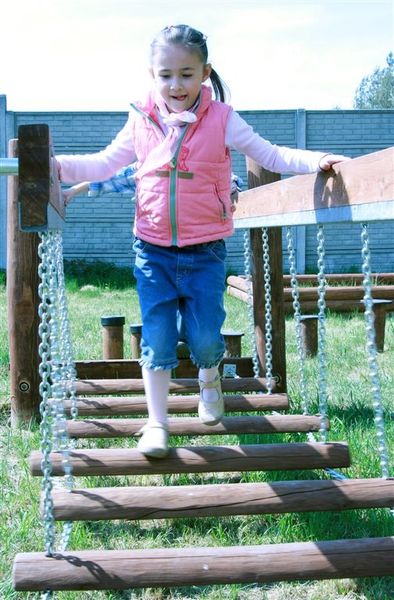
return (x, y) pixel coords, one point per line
(240, 136)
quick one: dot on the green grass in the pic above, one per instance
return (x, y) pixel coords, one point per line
(351, 418)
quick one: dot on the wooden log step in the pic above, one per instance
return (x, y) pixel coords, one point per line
(340, 292)
(135, 405)
(203, 459)
(219, 500)
(349, 278)
(332, 279)
(130, 368)
(176, 567)
(111, 428)
(346, 304)
(180, 386)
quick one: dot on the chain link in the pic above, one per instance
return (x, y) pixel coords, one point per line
(69, 373)
(321, 303)
(268, 310)
(45, 393)
(295, 293)
(249, 302)
(372, 353)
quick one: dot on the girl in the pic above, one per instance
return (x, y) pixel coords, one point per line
(181, 140)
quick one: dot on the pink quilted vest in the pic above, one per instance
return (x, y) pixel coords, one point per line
(188, 201)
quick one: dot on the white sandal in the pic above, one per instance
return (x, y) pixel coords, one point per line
(154, 440)
(211, 413)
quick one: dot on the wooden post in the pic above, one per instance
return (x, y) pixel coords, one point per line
(22, 300)
(379, 309)
(257, 176)
(135, 339)
(309, 334)
(34, 204)
(112, 332)
(232, 341)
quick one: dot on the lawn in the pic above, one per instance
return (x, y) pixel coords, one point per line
(351, 417)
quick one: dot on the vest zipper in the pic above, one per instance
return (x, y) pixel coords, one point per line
(173, 182)
(142, 113)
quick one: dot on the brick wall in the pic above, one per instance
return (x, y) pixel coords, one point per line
(101, 228)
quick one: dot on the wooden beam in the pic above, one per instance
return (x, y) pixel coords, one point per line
(136, 405)
(127, 569)
(144, 502)
(41, 205)
(357, 190)
(257, 176)
(191, 426)
(205, 459)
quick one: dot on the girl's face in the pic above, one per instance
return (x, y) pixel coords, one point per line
(178, 75)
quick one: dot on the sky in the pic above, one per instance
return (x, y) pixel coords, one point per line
(93, 55)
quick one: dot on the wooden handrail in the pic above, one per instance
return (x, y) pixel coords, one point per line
(357, 190)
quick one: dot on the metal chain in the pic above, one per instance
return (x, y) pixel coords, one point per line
(57, 371)
(297, 321)
(372, 353)
(268, 310)
(321, 303)
(67, 376)
(249, 301)
(69, 373)
(45, 393)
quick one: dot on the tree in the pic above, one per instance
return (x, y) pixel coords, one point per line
(377, 89)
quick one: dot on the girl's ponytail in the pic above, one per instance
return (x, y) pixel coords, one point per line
(221, 90)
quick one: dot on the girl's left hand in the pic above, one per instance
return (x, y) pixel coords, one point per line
(326, 161)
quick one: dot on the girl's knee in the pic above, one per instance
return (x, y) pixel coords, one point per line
(207, 351)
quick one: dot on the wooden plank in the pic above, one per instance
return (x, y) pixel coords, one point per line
(136, 405)
(40, 199)
(125, 386)
(22, 303)
(204, 459)
(127, 569)
(361, 189)
(147, 502)
(189, 426)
